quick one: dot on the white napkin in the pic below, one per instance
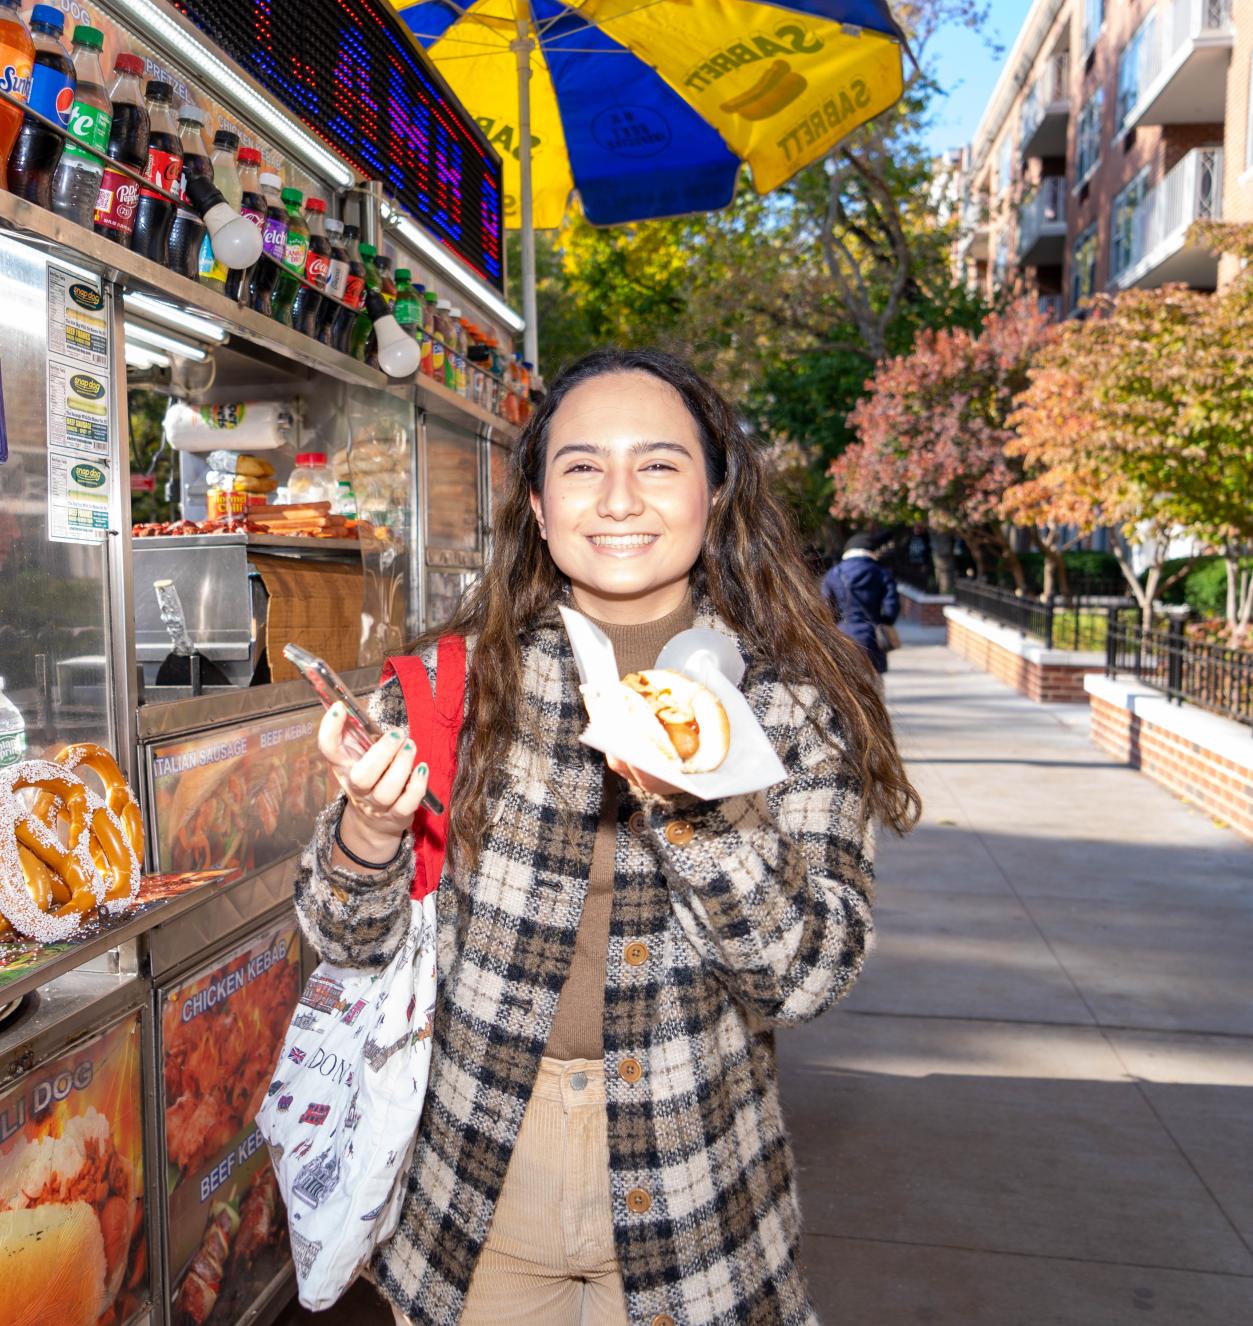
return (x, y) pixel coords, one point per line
(705, 656)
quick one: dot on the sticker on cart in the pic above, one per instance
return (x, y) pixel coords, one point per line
(78, 408)
(78, 326)
(78, 497)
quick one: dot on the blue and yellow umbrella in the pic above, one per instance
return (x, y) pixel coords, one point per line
(649, 107)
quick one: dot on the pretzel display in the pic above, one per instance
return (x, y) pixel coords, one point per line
(49, 883)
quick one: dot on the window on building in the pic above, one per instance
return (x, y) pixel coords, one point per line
(1093, 18)
(1005, 164)
(1130, 62)
(1000, 265)
(1248, 124)
(1083, 267)
(1126, 243)
(1088, 135)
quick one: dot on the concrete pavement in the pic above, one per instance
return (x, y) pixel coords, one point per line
(1036, 1107)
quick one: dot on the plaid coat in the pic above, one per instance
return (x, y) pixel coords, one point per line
(729, 919)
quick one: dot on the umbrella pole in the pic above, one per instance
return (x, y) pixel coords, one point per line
(522, 48)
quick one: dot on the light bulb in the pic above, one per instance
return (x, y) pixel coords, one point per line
(399, 353)
(236, 241)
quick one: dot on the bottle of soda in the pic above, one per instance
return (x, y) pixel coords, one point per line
(33, 160)
(387, 286)
(306, 305)
(295, 254)
(76, 183)
(432, 349)
(336, 280)
(128, 143)
(187, 231)
(251, 205)
(155, 215)
(405, 309)
(273, 246)
(354, 294)
(226, 179)
(17, 60)
(364, 342)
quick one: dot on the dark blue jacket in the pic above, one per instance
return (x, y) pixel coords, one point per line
(865, 595)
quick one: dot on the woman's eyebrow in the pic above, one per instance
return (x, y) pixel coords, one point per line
(637, 449)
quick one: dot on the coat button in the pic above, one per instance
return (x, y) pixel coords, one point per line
(639, 1201)
(679, 833)
(629, 1070)
(636, 953)
(637, 823)
(662, 1319)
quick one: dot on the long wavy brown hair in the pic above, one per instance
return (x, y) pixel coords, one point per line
(750, 569)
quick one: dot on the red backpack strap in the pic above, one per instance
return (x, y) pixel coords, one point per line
(435, 726)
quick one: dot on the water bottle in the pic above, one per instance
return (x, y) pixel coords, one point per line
(12, 731)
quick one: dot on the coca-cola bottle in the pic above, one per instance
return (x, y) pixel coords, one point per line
(38, 149)
(155, 214)
(251, 205)
(273, 246)
(188, 230)
(307, 303)
(354, 294)
(336, 279)
(128, 144)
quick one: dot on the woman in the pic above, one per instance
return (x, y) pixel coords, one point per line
(864, 594)
(602, 1139)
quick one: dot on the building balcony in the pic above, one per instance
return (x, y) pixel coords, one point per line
(972, 240)
(1046, 109)
(1156, 248)
(1042, 224)
(1182, 74)
(1052, 306)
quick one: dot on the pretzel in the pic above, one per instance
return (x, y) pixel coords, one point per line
(117, 793)
(47, 886)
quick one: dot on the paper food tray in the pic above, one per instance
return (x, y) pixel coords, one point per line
(705, 656)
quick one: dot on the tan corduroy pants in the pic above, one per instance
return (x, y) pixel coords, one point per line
(549, 1258)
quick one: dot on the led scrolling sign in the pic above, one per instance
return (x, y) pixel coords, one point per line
(348, 70)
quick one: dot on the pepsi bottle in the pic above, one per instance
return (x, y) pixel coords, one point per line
(35, 155)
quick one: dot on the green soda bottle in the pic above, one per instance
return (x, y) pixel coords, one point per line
(294, 257)
(364, 343)
(405, 309)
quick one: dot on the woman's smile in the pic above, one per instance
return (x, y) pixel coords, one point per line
(623, 545)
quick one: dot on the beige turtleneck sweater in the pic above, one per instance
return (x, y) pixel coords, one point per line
(577, 1028)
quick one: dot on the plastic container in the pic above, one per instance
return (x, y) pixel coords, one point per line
(34, 158)
(164, 169)
(187, 230)
(17, 54)
(406, 309)
(76, 184)
(12, 731)
(252, 204)
(128, 143)
(295, 255)
(312, 480)
(226, 180)
(274, 246)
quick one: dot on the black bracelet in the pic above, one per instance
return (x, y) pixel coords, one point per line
(360, 861)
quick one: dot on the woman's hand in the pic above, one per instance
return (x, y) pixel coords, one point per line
(383, 787)
(645, 782)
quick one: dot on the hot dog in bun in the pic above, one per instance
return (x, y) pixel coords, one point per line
(685, 720)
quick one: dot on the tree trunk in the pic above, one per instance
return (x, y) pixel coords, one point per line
(943, 561)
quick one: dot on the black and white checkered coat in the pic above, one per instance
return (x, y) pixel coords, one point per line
(756, 918)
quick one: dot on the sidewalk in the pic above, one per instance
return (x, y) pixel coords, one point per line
(1037, 1105)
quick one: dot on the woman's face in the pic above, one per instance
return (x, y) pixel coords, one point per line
(625, 496)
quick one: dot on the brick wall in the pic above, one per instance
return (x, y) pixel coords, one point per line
(1045, 683)
(923, 609)
(1218, 786)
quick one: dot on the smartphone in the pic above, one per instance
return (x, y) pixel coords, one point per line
(360, 731)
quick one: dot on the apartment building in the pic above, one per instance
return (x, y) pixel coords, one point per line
(1113, 125)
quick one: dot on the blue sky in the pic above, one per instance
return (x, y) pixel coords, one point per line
(967, 70)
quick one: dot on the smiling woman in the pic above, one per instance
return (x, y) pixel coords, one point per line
(602, 1141)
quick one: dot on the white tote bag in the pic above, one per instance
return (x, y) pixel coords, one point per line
(358, 1049)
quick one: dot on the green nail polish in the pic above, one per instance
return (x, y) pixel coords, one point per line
(422, 768)
(395, 736)
(408, 745)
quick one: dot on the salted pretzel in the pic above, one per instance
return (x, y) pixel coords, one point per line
(117, 792)
(47, 885)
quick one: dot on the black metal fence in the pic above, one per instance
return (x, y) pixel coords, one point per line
(1212, 677)
(1058, 623)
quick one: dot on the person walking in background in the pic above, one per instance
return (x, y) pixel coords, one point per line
(863, 592)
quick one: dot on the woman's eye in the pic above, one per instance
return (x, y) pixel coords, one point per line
(662, 465)
(581, 467)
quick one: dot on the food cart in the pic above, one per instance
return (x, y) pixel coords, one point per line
(134, 1053)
